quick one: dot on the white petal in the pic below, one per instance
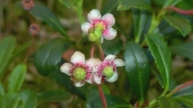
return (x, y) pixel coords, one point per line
(65, 68)
(78, 57)
(94, 15)
(91, 62)
(119, 62)
(97, 79)
(79, 84)
(90, 80)
(109, 33)
(96, 66)
(109, 58)
(113, 78)
(108, 19)
(85, 27)
(102, 39)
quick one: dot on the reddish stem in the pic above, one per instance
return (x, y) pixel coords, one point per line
(30, 50)
(185, 12)
(92, 51)
(101, 52)
(180, 87)
(102, 96)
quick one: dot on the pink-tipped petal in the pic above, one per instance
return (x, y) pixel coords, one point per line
(90, 79)
(85, 27)
(91, 62)
(97, 79)
(119, 62)
(109, 58)
(79, 84)
(108, 19)
(113, 78)
(94, 15)
(65, 68)
(78, 57)
(109, 33)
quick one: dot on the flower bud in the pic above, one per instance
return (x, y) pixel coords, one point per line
(108, 71)
(100, 26)
(28, 4)
(34, 29)
(79, 74)
(95, 36)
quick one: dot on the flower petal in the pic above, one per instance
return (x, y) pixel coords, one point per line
(97, 79)
(113, 78)
(65, 68)
(109, 33)
(78, 57)
(102, 39)
(119, 62)
(89, 78)
(91, 62)
(79, 84)
(109, 58)
(85, 27)
(94, 15)
(108, 19)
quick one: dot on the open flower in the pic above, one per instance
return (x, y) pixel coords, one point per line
(79, 70)
(107, 69)
(99, 26)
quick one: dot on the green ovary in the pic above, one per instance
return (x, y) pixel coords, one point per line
(79, 74)
(108, 71)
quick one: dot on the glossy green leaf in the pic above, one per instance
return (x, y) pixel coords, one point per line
(16, 78)
(65, 81)
(186, 100)
(68, 3)
(94, 101)
(168, 103)
(7, 46)
(48, 56)
(47, 16)
(187, 91)
(28, 99)
(109, 6)
(184, 49)
(127, 4)
(178, 23)
(142, 20)
(9, 101)
(138, 70)
(162, 56)
(53, 96)
(112, 47)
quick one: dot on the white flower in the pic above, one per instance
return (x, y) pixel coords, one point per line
(107, 69)
(80, 70)
(104, 24)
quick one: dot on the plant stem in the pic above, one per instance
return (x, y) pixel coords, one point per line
(79, 11)
(102, 96)
(153, 103)
(101, 52)
(179, 88)
(185, 12)
(92, 51)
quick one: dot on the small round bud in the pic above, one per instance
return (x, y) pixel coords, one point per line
(91, 30)
(108, 71)
(79, 74)
(28, 4)
(34, 29)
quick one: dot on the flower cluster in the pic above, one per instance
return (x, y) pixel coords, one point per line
(92, 70)
(99, 27)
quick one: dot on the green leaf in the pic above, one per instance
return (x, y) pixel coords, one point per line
(168, 103)
(178, 23)
(171, 2)
(187, 91)
(47, 16)
(186, 100)
(68, 3)
(127, 4)
(16, 78)
(7, 46)
(94, 101)
(49, 55)
(162, 56)
(53, 96)
(138, 70)
(9, 101)
(184, 49)
(112, 47)
(141, 23)
(29, 99)
(109, 6)
(2, 91)
(65, 81)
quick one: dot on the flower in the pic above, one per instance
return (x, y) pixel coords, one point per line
(80, 70)
(99, 26)
(107, 69)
